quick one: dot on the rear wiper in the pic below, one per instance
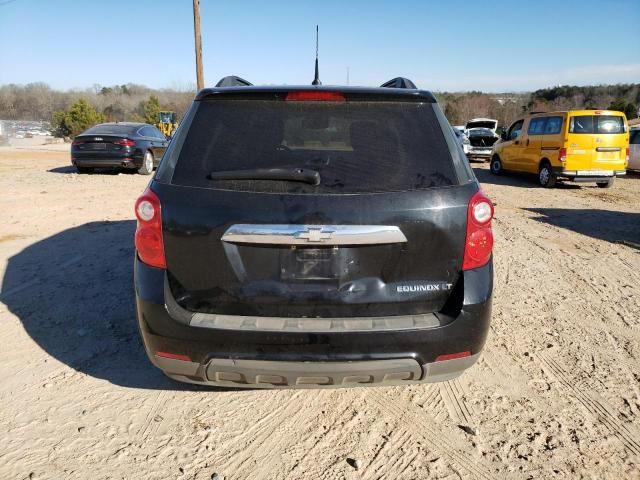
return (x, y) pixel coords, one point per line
(290, 174)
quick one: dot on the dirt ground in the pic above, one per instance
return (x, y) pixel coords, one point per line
(555, 395)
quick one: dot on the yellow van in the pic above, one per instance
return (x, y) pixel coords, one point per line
(578, 145)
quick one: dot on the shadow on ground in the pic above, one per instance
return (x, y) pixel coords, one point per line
(99, 171)
(515, 179)
(73, 293)
(602, 224)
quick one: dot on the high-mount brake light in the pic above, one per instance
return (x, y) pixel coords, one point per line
(479, 241)
(125, 142)
(148, 238)
(313, 96)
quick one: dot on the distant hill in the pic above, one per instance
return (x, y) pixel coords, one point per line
(507, 107)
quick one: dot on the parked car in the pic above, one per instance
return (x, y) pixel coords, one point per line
(462, 139)
(577, 145)
(124, 145)
(634, 149)
(481, 133)
(313, 236)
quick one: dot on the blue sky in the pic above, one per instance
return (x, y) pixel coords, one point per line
(448, 45)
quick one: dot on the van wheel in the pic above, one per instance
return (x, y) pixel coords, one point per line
(607, 184)
(496, 166)
(147, 164)
(546, 177)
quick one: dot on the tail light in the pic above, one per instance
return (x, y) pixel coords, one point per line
(148, 238)
(125, 142)
(77, 142)
(628, 154)
(479, 241)
(562, 156)
(314, 96)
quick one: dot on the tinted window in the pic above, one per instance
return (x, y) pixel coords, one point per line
(157, 133)
(634, 137)
(111, 130)
(536, 126)
(356, 146)
(553, 126)
(596, 124)
(148, 132)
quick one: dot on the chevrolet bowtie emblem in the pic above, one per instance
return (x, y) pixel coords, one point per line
(314, 235)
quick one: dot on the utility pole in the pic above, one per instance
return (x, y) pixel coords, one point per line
(198, 42)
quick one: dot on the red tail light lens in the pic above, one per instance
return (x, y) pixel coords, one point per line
(174, 356)
(562, 155)
(125, 142)
(148, 237)
(315, 97)
(479, 241)
(452, 356)
(77, 142)
(628, 154)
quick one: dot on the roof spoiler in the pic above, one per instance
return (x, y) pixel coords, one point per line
(399, 82)
(233, 81)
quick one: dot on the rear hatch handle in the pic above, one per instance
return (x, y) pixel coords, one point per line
(291, 234)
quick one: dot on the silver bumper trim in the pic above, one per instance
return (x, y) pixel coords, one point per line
(280, 374)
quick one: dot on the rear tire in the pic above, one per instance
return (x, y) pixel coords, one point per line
(607, 184)
(496, 166)
(546, 177)
(83, 170)
(147, 164)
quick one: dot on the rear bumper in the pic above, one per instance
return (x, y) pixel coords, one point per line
(128, 160)
(588, 175)
(479, 152)
(275, 358)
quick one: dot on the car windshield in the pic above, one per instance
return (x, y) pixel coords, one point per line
(110, 130)
(355, 146)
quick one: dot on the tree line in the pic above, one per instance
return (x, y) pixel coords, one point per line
(508, 107)
(70, 110)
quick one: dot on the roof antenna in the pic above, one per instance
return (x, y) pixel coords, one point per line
(316, 80)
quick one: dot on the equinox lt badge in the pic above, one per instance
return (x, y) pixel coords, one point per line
(424, 287)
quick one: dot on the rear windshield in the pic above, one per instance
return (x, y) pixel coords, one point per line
(596, 124)
(111, 130)
(481, 132)
(634, 138)
(355, 146)
(482, 124)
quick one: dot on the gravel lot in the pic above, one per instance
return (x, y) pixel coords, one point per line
(555, 395)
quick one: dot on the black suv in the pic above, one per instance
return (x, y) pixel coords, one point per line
(313, 236)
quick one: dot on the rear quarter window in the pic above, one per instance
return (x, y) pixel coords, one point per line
(356, 146)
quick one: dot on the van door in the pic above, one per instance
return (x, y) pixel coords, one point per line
(532, 142)
(610, 140)
(580, 143)
(512, 147)
(553, 140)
